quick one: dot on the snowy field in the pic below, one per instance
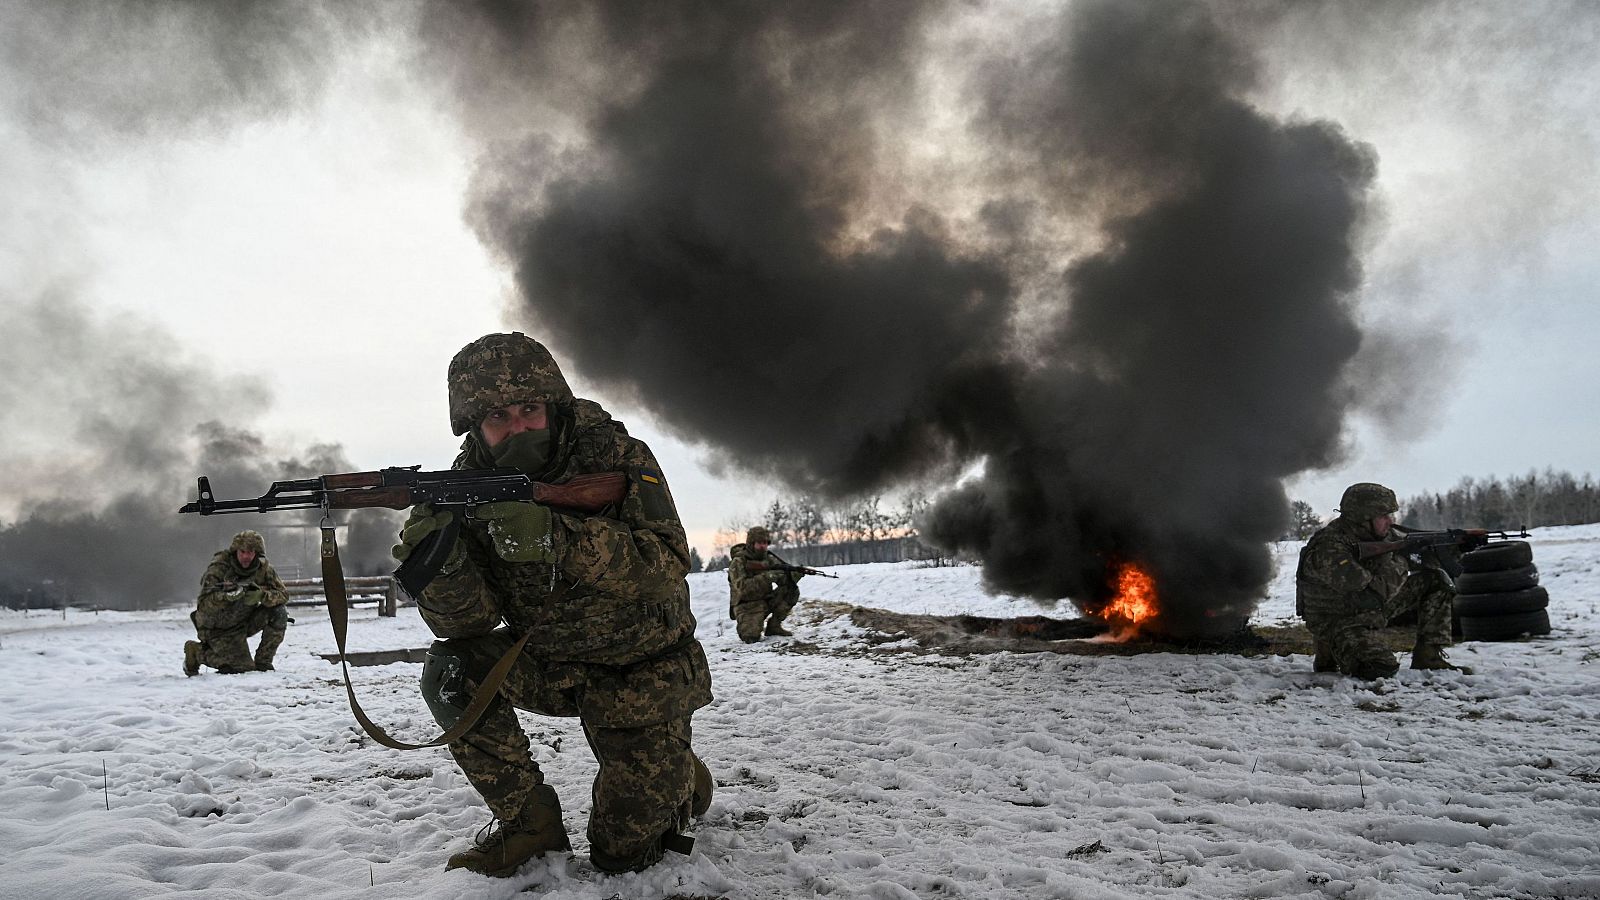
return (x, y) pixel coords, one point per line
(842, 771)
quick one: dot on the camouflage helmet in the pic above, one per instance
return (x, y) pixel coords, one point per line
(758, 535)
(1366, 501)
(248, 540)
(499, 370)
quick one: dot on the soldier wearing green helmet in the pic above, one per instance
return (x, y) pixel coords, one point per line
(760, 594)
(1345, 599)
(240, 596)
(602, 602)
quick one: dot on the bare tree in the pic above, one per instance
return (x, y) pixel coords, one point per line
(1303, 520)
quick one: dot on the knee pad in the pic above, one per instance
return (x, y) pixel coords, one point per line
(278, 617)
(444, 684)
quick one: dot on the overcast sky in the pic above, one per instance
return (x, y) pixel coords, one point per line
(314, 240)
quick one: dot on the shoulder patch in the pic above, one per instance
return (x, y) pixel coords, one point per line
(653, 493)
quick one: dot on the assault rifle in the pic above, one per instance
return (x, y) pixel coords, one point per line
(785, 567)
(458, 490)
(1412, 541)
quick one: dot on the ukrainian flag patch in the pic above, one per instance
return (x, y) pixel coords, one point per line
(649, 476)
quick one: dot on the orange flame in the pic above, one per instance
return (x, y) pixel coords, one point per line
(1134, 601)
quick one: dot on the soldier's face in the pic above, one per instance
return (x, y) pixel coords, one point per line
(245, 557)
(506, 421)
(1380, 525)
(759, 546)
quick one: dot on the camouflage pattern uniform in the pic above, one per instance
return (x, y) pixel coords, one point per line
(759, 598)
(228, 611)
(612, 633)
(1345, 600)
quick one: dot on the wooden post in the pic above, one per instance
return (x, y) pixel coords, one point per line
(391, 599)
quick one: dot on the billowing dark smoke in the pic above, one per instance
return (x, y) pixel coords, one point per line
(131, 423)
(1201, 356)
(720, 247)
(715, 209)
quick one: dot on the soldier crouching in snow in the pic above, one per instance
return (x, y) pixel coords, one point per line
(760, 593)
(1345, 599)
(603, 602)
(240, 595)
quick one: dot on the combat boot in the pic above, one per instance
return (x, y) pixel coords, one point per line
(264, 664)
(775, 628)
(191, 658)
(1430, 657)
(536, 829)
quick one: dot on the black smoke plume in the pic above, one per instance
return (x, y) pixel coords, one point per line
(128, 422)
(714, 206)
(718, 245)
(1201, 355)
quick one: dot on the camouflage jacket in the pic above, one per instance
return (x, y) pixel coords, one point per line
(748, 586)
(616, 595)
(221, 605)
(1333, 581)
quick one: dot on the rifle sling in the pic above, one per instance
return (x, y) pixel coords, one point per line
(339, 616)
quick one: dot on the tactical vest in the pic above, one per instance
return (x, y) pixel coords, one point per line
(573, 620)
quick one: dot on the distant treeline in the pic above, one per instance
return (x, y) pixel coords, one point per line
(1533, 500)
(870, 525)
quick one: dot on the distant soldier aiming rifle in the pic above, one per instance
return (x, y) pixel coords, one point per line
(762, 588)
(1361, 570)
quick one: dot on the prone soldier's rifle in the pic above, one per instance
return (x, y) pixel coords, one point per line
(457, 490)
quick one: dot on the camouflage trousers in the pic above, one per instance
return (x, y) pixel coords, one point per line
(227, 650)
(643, 790)
(1350, 636)
(750, 614)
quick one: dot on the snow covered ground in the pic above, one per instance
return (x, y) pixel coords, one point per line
(843, 771)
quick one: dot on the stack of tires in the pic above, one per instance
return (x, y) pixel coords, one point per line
(1498, 597)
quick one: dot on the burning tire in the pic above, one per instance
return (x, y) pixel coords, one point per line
(1494, 582)
(1501, 603)
(1505, 628)
(1497, 557)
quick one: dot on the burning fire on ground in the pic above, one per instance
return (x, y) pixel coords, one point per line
(1132, 603)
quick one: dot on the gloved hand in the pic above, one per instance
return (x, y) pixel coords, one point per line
(250, 594)
(521, 531)
(422, 522)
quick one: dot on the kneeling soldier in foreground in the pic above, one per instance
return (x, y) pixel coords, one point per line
(602, 601)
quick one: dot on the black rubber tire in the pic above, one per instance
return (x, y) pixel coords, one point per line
(1498, 557)
(1505, 628)
(1496, 582)
(1503, 603)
